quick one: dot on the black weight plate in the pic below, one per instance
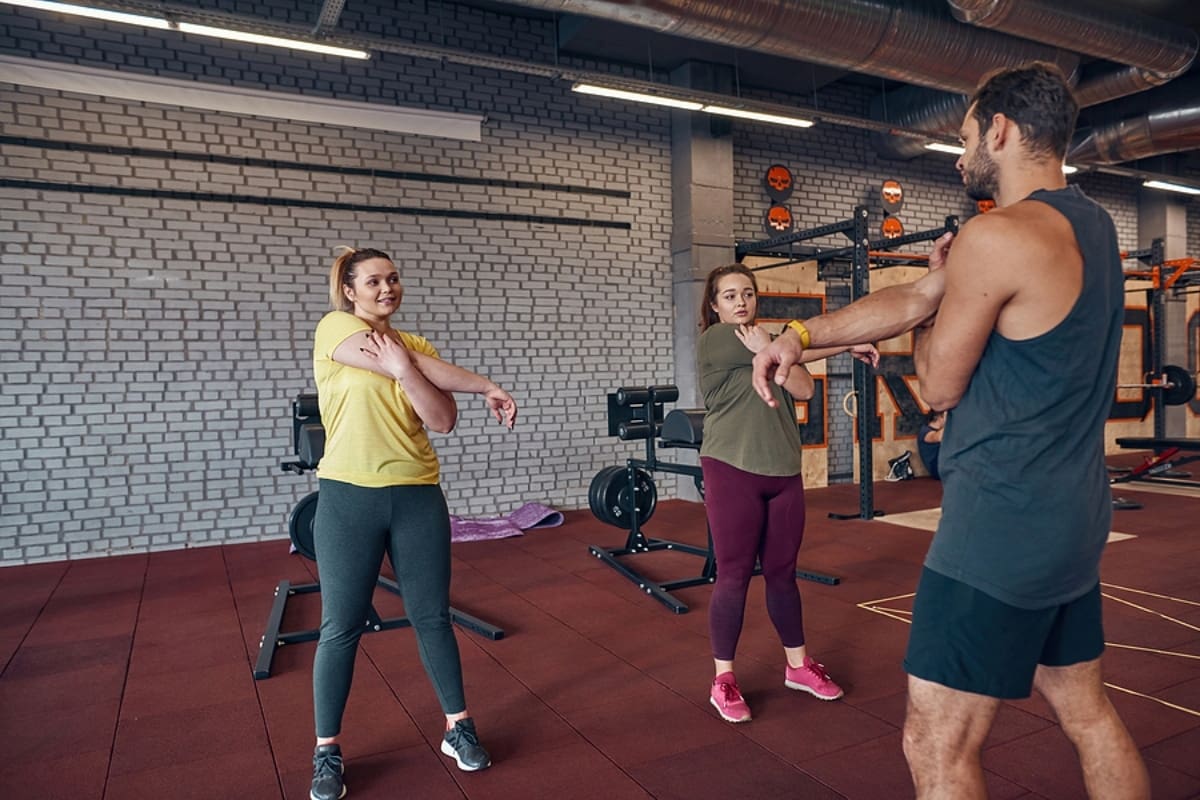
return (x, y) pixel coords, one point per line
(598, 490)
(621, 502)
(300, 526)
(1183, 387)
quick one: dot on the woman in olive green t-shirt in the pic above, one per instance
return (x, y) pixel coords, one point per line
(753, 486)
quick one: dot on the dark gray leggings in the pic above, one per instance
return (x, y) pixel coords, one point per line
(353, 528)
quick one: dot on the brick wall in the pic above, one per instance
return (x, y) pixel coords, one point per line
(158, 307)
(163, 268)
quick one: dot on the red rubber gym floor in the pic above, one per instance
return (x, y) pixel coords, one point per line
(130, 677)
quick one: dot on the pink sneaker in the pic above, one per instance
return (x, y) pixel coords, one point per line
(726, 698)
(812, 678)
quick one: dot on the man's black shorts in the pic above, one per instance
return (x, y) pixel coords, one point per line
(968, 640)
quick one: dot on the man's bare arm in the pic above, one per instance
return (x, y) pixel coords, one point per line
(880, 315)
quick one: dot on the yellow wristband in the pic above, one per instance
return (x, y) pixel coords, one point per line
(805, 336)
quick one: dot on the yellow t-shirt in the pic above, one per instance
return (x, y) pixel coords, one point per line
(373, 436)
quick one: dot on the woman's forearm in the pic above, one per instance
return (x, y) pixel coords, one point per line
(450, 377)
(436, 408)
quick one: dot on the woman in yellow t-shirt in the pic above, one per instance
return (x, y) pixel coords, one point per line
(378, 390)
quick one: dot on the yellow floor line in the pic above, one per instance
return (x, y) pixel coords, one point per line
(1151, 594)
(1151, 611)
(1152, 650)
(1158, 700)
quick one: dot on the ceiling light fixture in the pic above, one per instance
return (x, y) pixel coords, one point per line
(1182, 188)
(758, 116)
(636, 97)
(188, 27)
(689, 105)
(1069, 170)
(272, 41)
(941, 147)
(93, 13)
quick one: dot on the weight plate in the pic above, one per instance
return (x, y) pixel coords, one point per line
(1183, 386)
(300, 526)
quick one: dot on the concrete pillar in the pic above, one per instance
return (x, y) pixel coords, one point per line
(702, 224)
(1162, 216)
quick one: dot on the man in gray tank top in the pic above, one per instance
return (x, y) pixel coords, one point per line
(1025, 308)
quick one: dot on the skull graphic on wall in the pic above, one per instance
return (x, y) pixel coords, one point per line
(891, 228)
(778, 219)
(778, 183)
(892, 194)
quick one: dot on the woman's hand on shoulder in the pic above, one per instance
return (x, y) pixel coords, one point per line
(392, 356)
(755, 337)
(502, 405)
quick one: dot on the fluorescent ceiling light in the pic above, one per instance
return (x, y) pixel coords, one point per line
(775, 119)
(94, 13)
(188, 27)
(636, 97)
(1172, 187)
(688, 105)
(1069, 170)
(226, 99)
(273, 41)
(952, 149)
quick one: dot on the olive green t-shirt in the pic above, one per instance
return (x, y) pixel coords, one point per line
(739, 428)
(373, 436)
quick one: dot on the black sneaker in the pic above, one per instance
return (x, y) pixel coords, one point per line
(327, 773)
(463, 746)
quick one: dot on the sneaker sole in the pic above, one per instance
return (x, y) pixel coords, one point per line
(725, 716)
(450, 751)
(800, 687)
(312, 796)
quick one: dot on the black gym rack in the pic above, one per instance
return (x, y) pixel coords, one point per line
(858, 254)
(308, 440)
(626, 497)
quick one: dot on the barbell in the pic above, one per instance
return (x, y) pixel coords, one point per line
(1178, 385)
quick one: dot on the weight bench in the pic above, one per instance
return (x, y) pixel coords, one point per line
(1159, 468)
(308, 440)
(626, 496)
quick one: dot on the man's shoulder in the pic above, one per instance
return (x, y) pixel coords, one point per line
(1016, 236)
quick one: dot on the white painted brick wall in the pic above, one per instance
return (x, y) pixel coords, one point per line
(151, 346)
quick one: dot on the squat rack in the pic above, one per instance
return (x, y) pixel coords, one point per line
(1164, 274)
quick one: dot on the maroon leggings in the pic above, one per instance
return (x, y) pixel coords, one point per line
(753, 518)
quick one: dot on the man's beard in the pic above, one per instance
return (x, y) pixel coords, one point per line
(980, 176)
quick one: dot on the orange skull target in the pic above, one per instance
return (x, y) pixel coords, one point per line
(779, 178)
(778, 183)
(893, 195)
(891, 228)
(778, 219)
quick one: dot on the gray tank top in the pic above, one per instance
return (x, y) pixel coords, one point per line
(1026, 506)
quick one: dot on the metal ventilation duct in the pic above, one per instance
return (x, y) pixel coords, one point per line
(914, 41)
(1126, 37)
(916, 108)
(1155, 133)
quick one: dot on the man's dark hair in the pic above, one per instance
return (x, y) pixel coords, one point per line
(1038, 98)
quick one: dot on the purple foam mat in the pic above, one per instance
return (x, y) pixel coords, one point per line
(527, 517)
